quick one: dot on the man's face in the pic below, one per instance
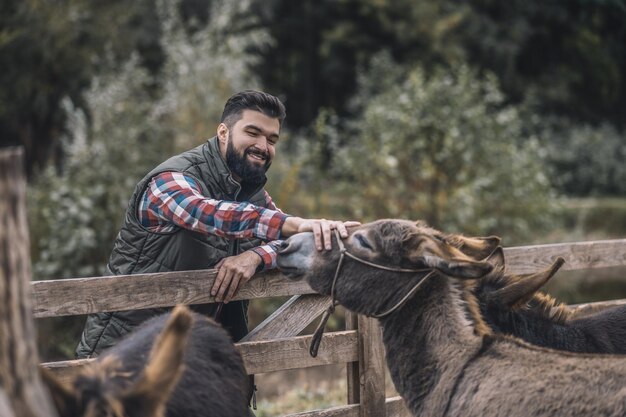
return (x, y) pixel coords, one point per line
(249, 146)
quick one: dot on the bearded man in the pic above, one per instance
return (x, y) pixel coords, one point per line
(207, 208)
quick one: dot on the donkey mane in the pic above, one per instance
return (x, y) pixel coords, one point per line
(541, 304)
(470, 303)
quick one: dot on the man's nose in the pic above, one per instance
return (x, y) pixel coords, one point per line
(262, 143)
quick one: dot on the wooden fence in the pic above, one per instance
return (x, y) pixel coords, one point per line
(275, 344)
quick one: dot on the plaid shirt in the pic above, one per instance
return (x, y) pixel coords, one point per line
(175, 200)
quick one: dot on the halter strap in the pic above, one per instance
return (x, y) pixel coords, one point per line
(317, 335)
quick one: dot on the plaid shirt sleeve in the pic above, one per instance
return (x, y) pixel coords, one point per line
(268, 252)
(175, 200)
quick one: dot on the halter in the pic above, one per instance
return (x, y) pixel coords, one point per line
(317, 336)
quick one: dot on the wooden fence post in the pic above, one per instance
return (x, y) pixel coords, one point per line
(352, 368)
(21, 391)
(371, 368)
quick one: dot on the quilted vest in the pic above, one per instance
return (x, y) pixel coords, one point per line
(138, 251)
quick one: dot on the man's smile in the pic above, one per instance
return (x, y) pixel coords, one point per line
(257, 155)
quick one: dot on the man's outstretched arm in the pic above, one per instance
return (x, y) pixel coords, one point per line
(175, 200)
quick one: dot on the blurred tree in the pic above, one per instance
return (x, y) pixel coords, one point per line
(586, 160)
(443, 147)
(50, 51)
(319, 45)
(569, 57)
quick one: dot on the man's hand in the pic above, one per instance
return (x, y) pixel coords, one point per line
(321, 229)
(232, 273)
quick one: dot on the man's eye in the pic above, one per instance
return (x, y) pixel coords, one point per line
(363, 242)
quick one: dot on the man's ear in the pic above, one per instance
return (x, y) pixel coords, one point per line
(222, 133)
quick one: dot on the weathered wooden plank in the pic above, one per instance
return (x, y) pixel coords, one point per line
(581, 310)
(339, 411)
(352, 368)
(578, 255)
(130, 292)
(5, 405)
(394, 407)
(23, 393)
(292, 353)
(371, 368)
(89, 295)
(290, 318)
(264, 356)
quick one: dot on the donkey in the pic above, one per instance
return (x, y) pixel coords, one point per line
(513, 305)
(192, 369)
(443, 358)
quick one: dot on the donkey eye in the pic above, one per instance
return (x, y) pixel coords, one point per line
(363, 242)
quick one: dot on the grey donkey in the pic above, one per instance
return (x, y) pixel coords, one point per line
(443, 357)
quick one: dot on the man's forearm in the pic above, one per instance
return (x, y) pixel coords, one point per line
(291, 226)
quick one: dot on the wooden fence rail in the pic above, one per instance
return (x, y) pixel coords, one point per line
(129, 292)
(274, 344)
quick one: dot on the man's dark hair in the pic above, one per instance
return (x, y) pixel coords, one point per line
(252, 100)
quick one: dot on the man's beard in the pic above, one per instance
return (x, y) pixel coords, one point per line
(238, 163)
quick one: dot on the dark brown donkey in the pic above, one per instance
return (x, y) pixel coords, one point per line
(178, 364)
(443, 358)
(512, 304)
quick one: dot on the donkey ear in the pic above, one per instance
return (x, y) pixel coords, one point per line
(474, 247)
(148, 396)
(65, 400)
(496, 259)
(523, 289)
(458, 268)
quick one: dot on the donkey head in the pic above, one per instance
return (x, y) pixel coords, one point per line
(394, 244)
(104, 389)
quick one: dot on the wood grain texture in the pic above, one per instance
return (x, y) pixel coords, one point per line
(23, 392)
(5, 405)
(290, 318)
(293, 352)
(586, 309)
(578, 255)
(128, 292)
(353, 385)
(371, 368)
(264, 356)
(394, 407)
(76, 296)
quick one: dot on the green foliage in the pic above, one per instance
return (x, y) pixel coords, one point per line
(444, 148)
(587, 160)
(206, 67)
(50, 51)
(75, 214)
(568, 55)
